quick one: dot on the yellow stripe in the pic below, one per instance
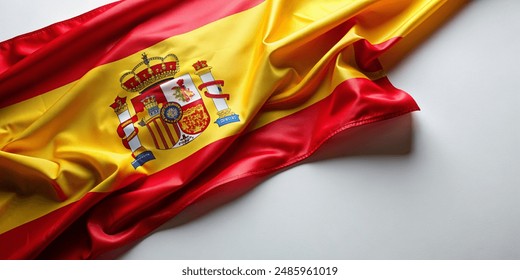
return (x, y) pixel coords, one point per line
(154, 127)
(373, 18)
(14, 124)
(172, 128)
(69, 135)
(163, 135)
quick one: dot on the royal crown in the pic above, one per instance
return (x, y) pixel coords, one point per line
(201, 67)
(150, 102)
(119, 105)
(149, 72)
(200, 64)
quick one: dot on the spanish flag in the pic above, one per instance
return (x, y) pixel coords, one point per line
(115, 121)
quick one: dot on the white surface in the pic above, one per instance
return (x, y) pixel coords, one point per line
(454, 195)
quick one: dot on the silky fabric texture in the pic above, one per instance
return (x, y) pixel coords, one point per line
(296, 73)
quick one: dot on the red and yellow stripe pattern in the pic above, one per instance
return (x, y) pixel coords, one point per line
(294, 73)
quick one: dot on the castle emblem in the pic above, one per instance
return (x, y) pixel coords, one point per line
(163, 111)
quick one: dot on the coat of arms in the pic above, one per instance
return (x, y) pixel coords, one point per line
(170, 109)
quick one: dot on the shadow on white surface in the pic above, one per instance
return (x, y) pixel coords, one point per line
(389, 138)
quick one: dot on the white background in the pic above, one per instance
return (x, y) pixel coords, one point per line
(441, 184)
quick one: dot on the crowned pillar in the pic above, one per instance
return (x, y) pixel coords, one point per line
(128, 133)
(214, 91)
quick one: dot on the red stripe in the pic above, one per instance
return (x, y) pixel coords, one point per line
(28, 240)
(151, 133)
(158, 123)
(118, 32)
(169, 133)
(17, 48)
(367, 54)
(141, 206)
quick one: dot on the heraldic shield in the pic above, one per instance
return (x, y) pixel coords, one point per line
(165, 111)
(173, 113)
